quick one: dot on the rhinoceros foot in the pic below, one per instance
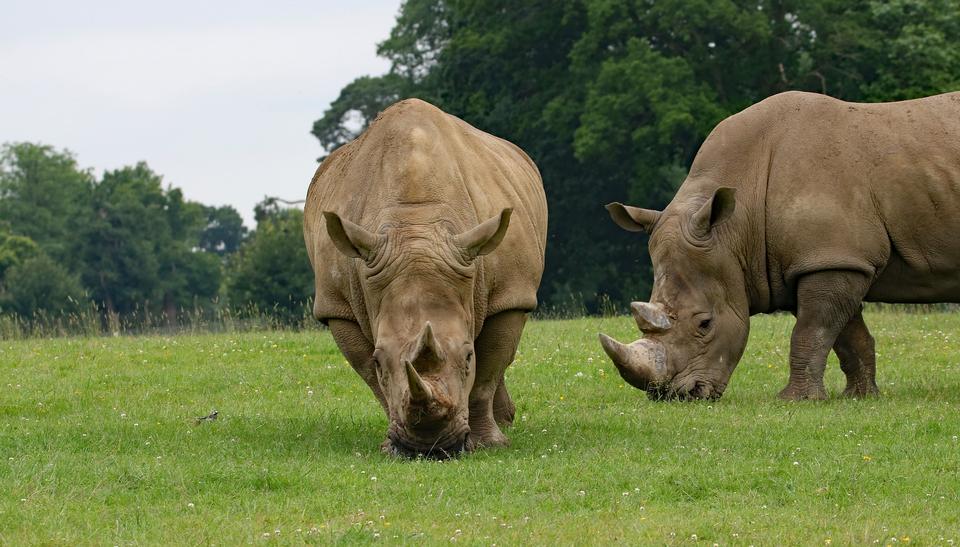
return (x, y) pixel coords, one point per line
(802, 392)
(494, 440)
(861, 390)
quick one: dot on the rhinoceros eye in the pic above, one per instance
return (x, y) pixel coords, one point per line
(705, 324)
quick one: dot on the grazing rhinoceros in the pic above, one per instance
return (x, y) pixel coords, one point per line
(426, 236)
(801, 203)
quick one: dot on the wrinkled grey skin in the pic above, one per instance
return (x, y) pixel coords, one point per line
(800, 203)
(426, 237)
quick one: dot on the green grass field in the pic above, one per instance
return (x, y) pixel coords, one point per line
(98, 445)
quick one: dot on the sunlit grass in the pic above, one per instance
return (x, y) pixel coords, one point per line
(99, 445)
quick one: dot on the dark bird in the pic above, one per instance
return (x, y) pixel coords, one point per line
(208, 418)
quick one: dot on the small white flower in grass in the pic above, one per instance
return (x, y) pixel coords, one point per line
(266, 534)
(190, 505)
(693, 537)
(579, 375)
(581, 493)
(796, 463)
(373, 478)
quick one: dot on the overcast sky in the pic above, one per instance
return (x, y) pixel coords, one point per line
(217, 96)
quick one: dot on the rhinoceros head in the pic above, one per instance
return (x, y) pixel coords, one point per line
(696, 324)
(418, 283)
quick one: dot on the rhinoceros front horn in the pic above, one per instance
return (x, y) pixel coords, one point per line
(640, 363)
(419, 389)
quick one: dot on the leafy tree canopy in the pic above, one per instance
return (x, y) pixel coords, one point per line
(612, 98)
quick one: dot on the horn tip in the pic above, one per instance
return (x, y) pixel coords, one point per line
(609, 344)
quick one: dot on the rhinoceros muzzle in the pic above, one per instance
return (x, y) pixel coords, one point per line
(429, 424)
(643, 363)
(450, 446)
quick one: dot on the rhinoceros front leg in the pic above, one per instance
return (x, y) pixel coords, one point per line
(503, 407)
(826, 301)
(858, 359)
(495, 349)
(359, 353)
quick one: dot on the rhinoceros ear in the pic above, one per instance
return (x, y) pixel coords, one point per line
(633, 219)
(350, 239)
(715, 210)
(484, 238)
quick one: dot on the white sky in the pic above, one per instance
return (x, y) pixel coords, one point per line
(217, 96)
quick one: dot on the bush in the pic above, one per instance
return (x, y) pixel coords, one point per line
(271, 273)
(38, 285)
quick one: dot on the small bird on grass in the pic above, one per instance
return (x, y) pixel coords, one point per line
(208, 418)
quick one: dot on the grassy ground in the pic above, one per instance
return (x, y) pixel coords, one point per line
(98, 446)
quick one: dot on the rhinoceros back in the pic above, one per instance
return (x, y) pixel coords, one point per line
(833, 185)
(417, 164)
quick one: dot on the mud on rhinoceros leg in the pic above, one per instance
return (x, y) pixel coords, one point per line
(359, 353)
(495, 349)
(826, 301)
(858, 359)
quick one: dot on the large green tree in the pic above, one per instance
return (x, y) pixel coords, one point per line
(141, 246)
(612, 98)
(43, 196)
(224, 230)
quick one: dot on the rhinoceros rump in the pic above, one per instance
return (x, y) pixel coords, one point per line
(427, 239)
(801, 203)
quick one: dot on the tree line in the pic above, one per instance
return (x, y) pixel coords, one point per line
(612, 98)
(126, 247)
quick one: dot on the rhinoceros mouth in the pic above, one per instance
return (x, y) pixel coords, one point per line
(447, 445)
(697, 390)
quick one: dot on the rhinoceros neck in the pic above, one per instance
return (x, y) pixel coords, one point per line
(744, 234)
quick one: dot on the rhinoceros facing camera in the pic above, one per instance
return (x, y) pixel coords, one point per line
(427, 240)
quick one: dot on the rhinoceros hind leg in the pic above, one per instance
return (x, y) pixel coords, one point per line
(503, 408)
(858, 359)
(495, 349)
(826, 301)
(359, 353)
